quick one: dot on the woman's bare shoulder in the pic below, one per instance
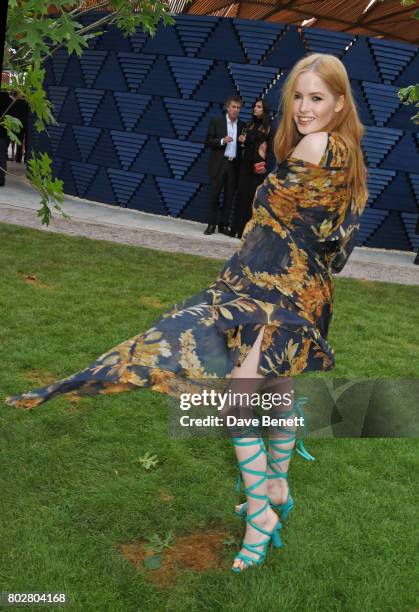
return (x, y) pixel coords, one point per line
(311, 147)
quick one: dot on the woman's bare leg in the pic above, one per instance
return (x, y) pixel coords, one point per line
(268, 518)
(285, 441)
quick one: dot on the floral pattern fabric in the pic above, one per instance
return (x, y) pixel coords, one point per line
(303, 228)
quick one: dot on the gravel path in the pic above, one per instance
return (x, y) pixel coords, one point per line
(164, 241)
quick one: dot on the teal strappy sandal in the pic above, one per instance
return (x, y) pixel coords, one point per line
(285, 508)
(261, 548)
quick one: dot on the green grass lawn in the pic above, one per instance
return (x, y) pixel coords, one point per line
(73, 489)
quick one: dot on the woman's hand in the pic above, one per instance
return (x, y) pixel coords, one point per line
(262, 150)
(242, 138)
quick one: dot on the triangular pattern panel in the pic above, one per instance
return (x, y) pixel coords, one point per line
(252, 84)
(135, 67)
(410, 73)
(86, 138)
(57, 95)
(414, 181)
(382, 100)
(59, 62)
(327, 41)
(124, 184)
(131, 107)
(55, 133)
(370, 221)
(138, 40)
(410, 221)
(364, 112)
(88, 101)
(188, 72)
(127, 146)
(180, 155)
(200, 131)
(176, 194)
(391, 57)
(378, 142)
(193, 31)
(184, 114)
(378, 180)
(91, 63)
(83, 174)
(257, 38)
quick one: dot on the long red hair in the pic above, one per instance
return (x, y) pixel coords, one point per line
(346, 122)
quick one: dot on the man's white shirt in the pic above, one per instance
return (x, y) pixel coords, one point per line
(231, 147)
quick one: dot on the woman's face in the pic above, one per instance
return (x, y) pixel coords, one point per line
(313, 104)
(258, 109)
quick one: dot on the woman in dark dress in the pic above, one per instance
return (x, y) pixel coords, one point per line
(256, 140)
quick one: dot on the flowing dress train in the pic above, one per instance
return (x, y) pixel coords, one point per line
(303, 228)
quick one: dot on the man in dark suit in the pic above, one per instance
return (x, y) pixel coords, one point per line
(223, 165)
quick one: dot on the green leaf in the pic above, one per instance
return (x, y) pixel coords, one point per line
(154, 562)
(148, 461)
(13, 127)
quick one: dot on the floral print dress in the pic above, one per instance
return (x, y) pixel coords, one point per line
(303, 228)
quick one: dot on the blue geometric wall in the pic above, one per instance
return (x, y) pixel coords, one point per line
(133, 114)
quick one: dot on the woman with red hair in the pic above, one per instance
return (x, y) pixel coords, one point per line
(266, 316)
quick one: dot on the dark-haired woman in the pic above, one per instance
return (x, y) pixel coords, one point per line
(256, 140)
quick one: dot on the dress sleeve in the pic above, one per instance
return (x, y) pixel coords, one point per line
(340, 245)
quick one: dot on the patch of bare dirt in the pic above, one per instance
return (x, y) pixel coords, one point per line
(165, 496)
(147, 300)
(33, 280)
(39, 377)
(198, 552)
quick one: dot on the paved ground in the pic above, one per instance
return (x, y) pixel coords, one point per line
(19, 202)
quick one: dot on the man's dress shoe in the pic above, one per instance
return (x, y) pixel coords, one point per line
(224, 229)
(209, 230)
